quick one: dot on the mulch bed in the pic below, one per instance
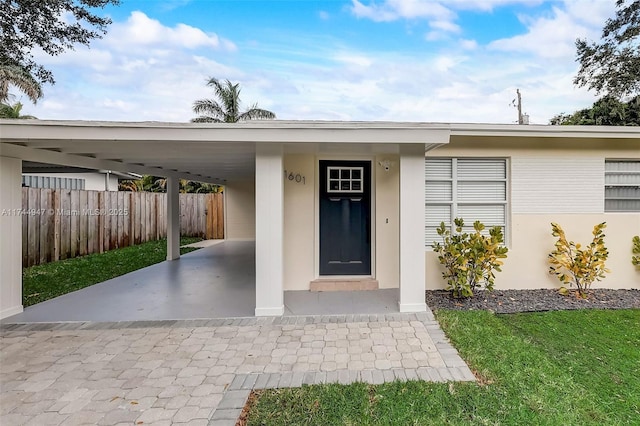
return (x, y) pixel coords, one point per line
(513, 301)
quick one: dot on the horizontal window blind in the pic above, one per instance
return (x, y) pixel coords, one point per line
(470, 188)
(482, 191)
(490, 215)
(438, 191)
(622, 186)
(481, 169)
(438, 169)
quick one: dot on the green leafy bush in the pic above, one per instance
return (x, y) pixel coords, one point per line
(636, 250)
(574, 265)
(470, 259)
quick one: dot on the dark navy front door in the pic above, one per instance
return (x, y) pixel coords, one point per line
(345, 217)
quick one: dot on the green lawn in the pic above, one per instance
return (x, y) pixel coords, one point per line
(44, 282)
(554, 368)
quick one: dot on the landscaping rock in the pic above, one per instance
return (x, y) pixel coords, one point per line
(513, 301)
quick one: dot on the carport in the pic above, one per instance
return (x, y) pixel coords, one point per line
(245, 157)
(217, 281)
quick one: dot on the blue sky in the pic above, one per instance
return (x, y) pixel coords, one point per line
(400, 60)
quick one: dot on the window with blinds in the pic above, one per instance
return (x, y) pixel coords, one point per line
(622, 186)
(470, 188)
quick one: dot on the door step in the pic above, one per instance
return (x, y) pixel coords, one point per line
(343, 284)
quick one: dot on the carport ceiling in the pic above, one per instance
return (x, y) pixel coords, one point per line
(190, 160)
(216, 153)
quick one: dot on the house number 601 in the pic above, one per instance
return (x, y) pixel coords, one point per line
(295, 177)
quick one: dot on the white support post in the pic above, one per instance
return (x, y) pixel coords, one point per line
(11, 240)
(173, 218)
(269, 230)
(412, 253)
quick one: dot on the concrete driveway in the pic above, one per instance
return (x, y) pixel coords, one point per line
(217, 281)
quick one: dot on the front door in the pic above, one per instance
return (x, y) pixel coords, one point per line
(345, 218)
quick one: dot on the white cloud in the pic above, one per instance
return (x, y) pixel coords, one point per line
(392, 10)
(547, 37)
(468, 44)
(324, 15)
(141, 31)
(447, 26)
(158, 76)
(353, 59)
(141, 70)
(440, 15)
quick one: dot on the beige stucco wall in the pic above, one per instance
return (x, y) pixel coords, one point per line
(529, 231)
(301, 221)
(387, 220)
(240, 210)
(527, 266)
(300, 206)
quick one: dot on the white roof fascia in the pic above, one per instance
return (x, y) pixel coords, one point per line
(533, 130)
(254, 132)
(260, 131)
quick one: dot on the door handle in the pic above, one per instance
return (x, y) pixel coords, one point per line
(356, 199)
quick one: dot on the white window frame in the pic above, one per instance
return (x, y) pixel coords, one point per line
(608, 173)
(455, 203)
(340, 180)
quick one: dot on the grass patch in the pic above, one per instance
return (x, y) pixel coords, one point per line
(568, 367)
(44, 282)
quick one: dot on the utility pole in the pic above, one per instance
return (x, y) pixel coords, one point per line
(520, 120)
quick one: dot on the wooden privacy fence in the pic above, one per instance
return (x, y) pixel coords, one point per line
(61, 223)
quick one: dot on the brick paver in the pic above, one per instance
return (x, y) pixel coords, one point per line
(201, 371)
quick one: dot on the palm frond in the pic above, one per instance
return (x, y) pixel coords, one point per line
(210, 108)
(21, 79)
(257, 114)
(226, 109)
(231, 101)
(218, 88)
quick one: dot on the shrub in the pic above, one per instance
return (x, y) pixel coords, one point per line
(470, 259)
(574, 265)
(636, 250)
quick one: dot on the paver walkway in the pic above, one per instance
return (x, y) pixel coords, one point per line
(201, 371)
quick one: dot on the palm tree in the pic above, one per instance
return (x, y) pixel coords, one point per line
(21, 79)
(13, 111)
(150, 183)
(227, 108)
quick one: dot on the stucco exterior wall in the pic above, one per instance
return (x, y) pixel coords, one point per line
(387, 220)
(552, 181)
(240, 210)
(300, 206)
(301, 220)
